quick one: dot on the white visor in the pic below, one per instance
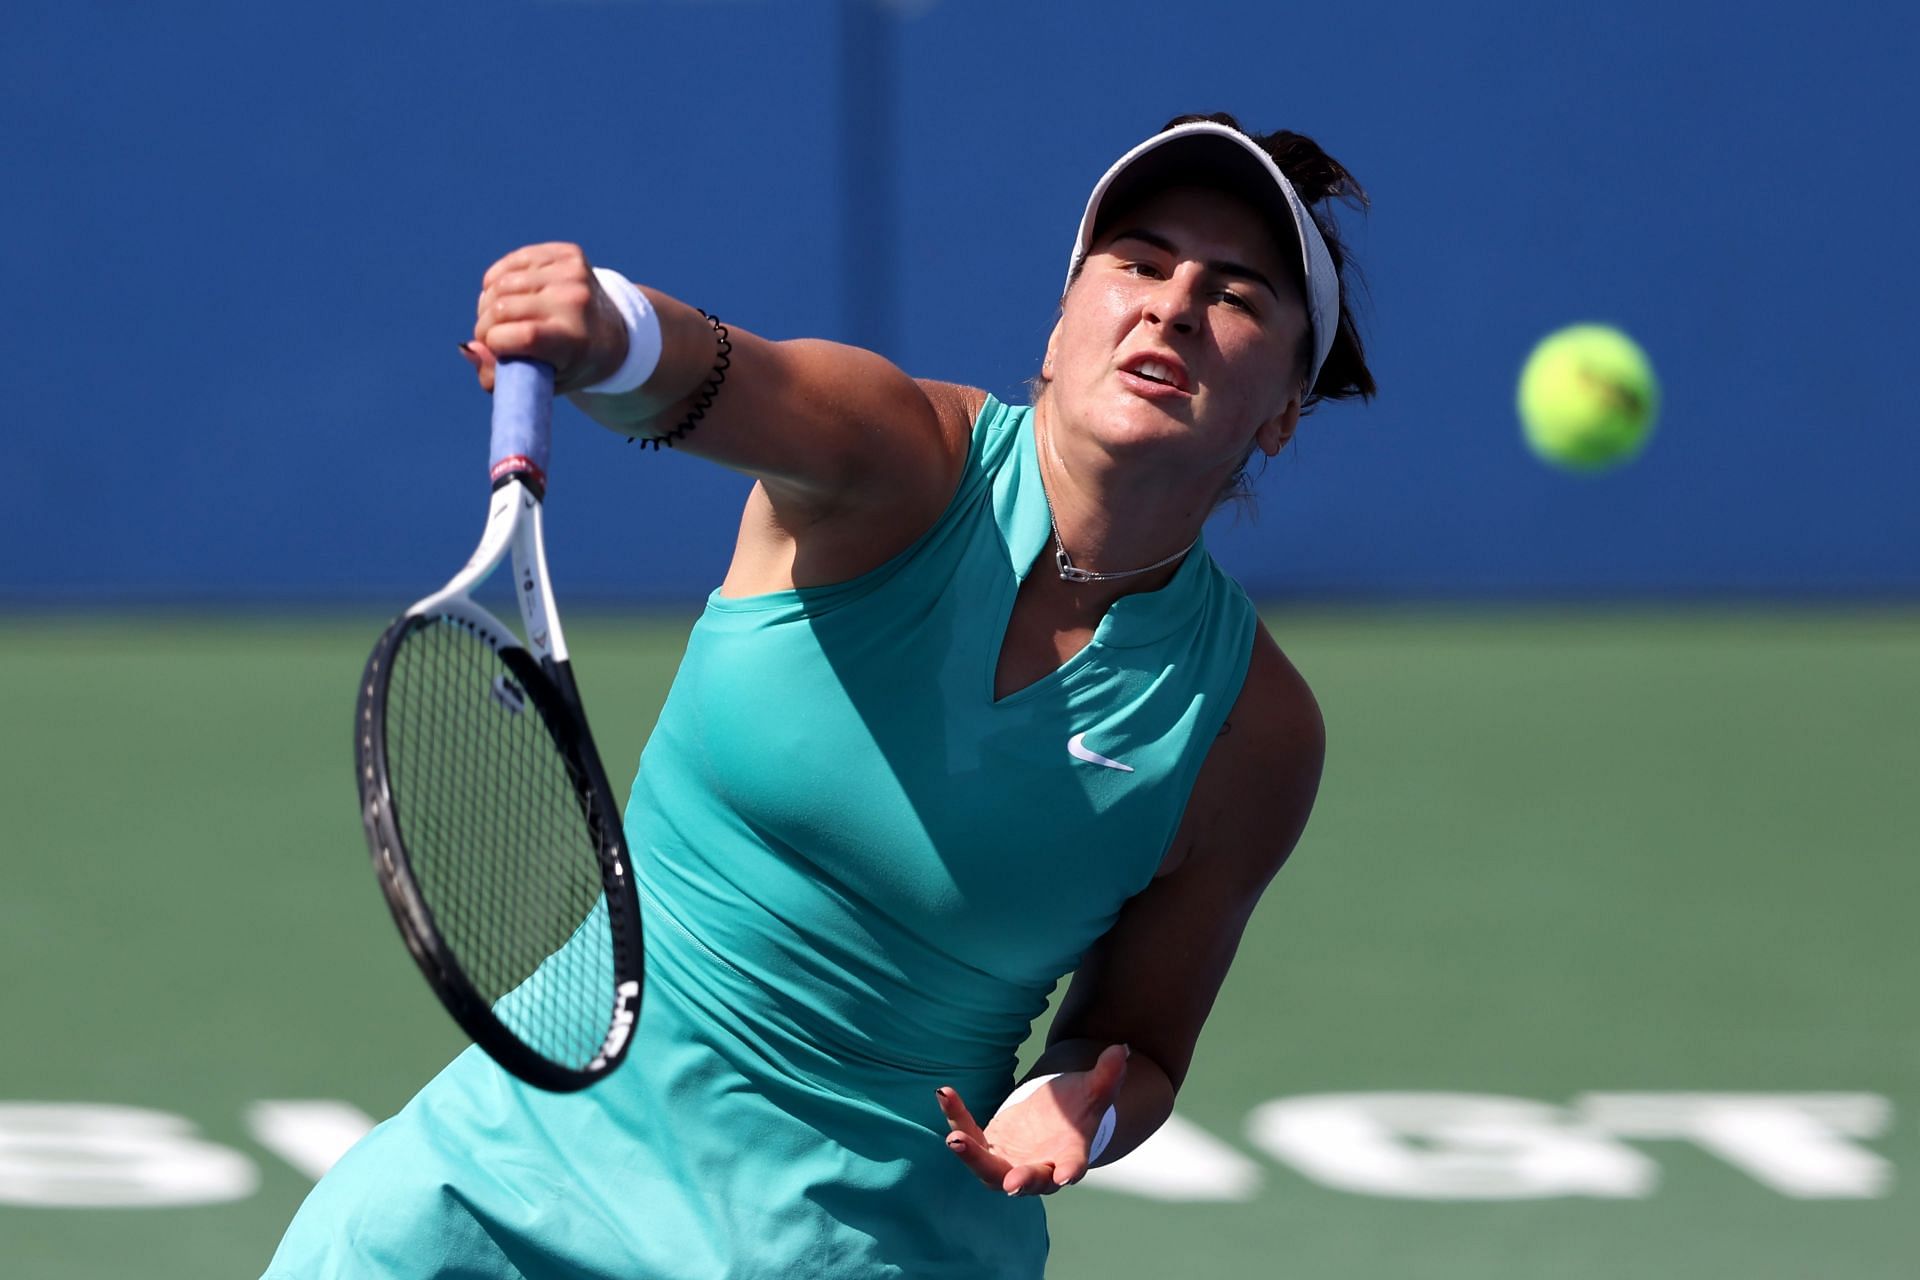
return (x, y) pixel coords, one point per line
(1213, 155)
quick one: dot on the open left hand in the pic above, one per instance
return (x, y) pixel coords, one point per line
(1039, 1144)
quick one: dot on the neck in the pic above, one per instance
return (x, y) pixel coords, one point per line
(1126, 525)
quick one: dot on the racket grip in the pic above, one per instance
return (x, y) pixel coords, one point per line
(522, 420)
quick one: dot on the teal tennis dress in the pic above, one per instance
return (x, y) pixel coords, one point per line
(861, 877)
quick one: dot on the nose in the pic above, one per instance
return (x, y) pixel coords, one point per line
(1176, 302)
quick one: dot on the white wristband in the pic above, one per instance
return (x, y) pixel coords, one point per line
(643, 335)
(1101, 1135)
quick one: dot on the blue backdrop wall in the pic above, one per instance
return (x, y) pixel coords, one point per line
(242, 240)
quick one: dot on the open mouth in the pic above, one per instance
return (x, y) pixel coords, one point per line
(1160, 372)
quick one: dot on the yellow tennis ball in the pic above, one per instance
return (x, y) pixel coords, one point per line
(1588, 398)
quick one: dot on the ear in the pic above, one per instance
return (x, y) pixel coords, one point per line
(1274, 433)
(1053, 340)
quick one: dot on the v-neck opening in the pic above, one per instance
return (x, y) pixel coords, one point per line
(1027, 532)
(1077, 659)
(1028, 528)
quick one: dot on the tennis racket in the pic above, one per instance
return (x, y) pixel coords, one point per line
(493, 830)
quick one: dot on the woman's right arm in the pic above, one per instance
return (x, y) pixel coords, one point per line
(834, 434)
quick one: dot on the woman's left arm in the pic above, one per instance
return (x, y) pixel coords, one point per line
(1150, 982)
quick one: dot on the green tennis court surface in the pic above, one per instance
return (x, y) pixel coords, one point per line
(1644, 885)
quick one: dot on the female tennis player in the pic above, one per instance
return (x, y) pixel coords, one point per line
(973, 709)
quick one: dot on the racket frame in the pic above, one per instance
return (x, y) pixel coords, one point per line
(514, 529)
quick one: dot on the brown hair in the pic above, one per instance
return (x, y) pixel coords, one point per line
(1319, 180)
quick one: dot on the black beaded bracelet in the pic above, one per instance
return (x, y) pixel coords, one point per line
(704, 398)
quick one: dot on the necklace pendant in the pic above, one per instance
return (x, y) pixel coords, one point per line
(1068, 572)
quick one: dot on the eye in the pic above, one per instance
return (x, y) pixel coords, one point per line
(1146, 269)
(1233, 299)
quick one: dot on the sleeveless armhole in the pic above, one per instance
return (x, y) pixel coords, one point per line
(994, 436)
(1235, 628)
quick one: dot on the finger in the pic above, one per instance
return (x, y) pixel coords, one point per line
(1108, 1073)
(1029, 1180)
(533, 326)
(527, 280)
(483, 362)
(531, 256)
(562, 306)
(958, 1117)
(979, 1159)
(515, 339)
(1068, 1171)
(513, 264)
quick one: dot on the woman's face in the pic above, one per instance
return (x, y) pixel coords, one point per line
(1179, 341)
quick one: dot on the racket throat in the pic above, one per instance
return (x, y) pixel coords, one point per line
(532, 585)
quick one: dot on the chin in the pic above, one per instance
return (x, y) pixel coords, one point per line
(1138, 423)
(1123, 423)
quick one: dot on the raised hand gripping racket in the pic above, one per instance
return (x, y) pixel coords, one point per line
(493, 830)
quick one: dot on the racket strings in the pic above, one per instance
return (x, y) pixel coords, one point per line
(498, 840)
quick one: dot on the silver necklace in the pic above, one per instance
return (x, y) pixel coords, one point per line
(1070, 572)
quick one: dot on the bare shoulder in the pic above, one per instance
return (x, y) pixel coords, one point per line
(1275, 710)
(798, 533)
(956, 406)
(1257, 787)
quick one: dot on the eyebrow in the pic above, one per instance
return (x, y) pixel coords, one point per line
(1232, 270)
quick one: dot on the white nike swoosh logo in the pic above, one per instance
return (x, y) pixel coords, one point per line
(1077, 748)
